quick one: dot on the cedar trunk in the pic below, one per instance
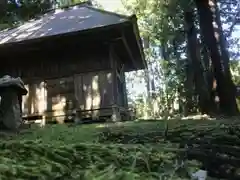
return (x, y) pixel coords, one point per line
(208, 77)
(225, 88)
(222, 43)
(194, 57)
(3, 8)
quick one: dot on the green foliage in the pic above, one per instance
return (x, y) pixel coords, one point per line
(23, 10)
(162, 28)
(214, 144)
(164, 32)
(83, 161)
(63, 155)
(235, 68)
(162, 24)
(114, 151)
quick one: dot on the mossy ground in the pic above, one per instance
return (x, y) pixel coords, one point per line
(130, 150)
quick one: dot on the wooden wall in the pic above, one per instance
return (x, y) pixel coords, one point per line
(94, 90)
(59, 85)
(121, 96)
(51, 67)
(57, 97)
(35, 101)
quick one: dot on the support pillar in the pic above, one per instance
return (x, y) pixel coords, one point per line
(116, 116)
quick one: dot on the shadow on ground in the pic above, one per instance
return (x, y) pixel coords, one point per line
(215, 145)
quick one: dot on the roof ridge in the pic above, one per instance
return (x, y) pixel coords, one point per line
(107, 12)
(84, 3)
(87, 4)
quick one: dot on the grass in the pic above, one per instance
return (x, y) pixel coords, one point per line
(130, 150)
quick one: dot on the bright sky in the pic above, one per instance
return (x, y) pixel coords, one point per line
(111, 5)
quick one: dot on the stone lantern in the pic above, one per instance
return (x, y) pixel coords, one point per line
(11, 92)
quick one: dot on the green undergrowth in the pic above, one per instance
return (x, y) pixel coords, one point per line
(33, 159)
(126, 151)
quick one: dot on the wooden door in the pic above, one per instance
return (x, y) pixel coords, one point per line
(34, 103)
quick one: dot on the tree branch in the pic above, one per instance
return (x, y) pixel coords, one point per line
(235, 21)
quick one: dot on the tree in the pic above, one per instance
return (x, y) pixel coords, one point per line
(225, 86)
(183, 53)
(195, 62)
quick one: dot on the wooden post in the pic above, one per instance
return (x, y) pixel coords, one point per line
(43, 122)
(49, 114)
(125, 91)
(78, 91)
(115, 109)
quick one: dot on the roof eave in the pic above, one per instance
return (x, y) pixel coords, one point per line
(35, 40)
(133, 19)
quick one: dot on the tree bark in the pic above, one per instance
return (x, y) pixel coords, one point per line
(147, 81)
(3, 8)
(221, 39)
(225, 88)
(189, 85)
(178, 71)
(194, 57)
(208, 77)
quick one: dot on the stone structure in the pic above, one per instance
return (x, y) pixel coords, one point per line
(11, 91)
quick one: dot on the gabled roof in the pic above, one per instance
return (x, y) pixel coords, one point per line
(61, 21)
(81, 21)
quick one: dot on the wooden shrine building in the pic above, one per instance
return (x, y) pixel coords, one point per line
(73, 58)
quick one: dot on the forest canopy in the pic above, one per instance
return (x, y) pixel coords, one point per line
(189, 46)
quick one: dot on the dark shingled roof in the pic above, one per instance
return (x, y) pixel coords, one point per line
(61, 21)
(72, 21)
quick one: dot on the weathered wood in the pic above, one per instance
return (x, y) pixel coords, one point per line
(121, 86)
(125, 91)
(61, 95)
(116, 113)
(33, 102)
(128, 50)
(87, 92)
(87, 83)
(94, 90)
(78, 90)
(58, 67)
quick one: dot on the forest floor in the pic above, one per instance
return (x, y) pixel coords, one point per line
(126, 151)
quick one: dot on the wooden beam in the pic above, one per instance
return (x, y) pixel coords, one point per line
(114, 73)
(116, 114)
(138, 38)
(128, 50)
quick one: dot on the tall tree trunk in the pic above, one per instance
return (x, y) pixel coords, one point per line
(194, 57)
(224, 86)
(147, 78)
(3, 8)
(153, 87)
(222, 42)
(147, 81)
(189, 89)
(219, 35)
(165, 55)
(208, 76)
(178, 71)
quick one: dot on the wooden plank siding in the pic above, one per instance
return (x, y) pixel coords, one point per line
(47, 67)
(58, 97)
(35, 101)
(93, 83)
